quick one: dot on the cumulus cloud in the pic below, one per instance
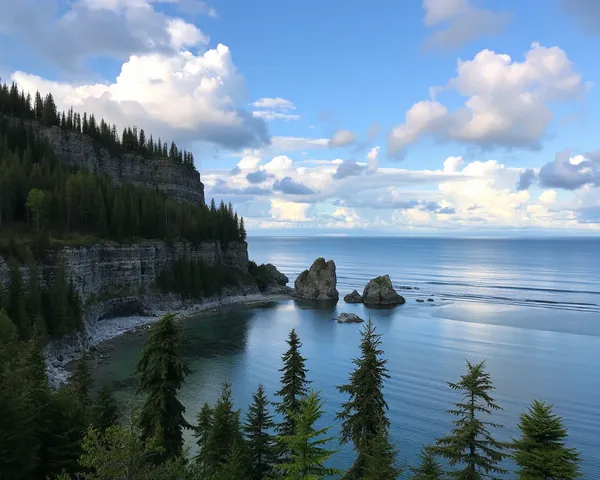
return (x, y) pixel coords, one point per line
(458, 22)
(96, 28)
(571, 173)
(586, 12)
(348, 168)
(506, 101)
(372, 156)
(274, 108)
(526, 179)
(257, 177)
(181, 96)
(290, 187)
(342, 138)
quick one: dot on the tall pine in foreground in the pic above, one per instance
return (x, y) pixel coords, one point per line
(306, 445)
(363, 416)
(381, 458)
(161, 372)
(471, 446)
(260, 444)
(541, 451)
(294, 385)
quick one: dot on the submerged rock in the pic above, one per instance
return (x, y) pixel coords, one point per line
(380, 291)
(349, 318)
(430, 299)
(353, 297)
(319, 282)
(420, 300)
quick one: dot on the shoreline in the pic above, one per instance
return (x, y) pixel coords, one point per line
(60, 357)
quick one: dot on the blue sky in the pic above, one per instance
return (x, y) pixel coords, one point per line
(433, 117)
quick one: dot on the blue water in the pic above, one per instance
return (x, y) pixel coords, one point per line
(530, 308)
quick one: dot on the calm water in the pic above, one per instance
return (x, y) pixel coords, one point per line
(530, 308)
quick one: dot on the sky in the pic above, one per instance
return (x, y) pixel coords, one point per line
(412, 117)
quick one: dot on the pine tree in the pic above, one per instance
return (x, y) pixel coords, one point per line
(471, 445)
(260, 442)
(105, 412)
(429, 468)
(541, 451)
(306, 447)
(161, 372)
(242, 232)
(82, 383)
(364, 414)
(294, 385)
(224, 433)
(380, 459)
(204, 423)
(234, 465)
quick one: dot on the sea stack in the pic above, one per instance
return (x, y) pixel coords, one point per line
(353, 297)
(318, 282)
(380, 291)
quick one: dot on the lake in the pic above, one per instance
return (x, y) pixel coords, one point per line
(530, 308)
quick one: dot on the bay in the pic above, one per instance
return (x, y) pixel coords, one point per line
(529, 308)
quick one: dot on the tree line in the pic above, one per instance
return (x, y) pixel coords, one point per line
(286, 443)
(41, 197)
(15, 103)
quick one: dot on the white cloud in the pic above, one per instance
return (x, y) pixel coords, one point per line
(342, 138)
(372, 161)
(460, 22)
(274, 109)
(185, 34)
(507, 102)
(181, 96)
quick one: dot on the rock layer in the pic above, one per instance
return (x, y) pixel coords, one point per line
(318, 283)
(380, 291)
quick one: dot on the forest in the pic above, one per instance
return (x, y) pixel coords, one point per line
(82, 432)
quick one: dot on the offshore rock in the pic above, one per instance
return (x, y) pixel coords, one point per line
(319, 282)
(380, 291)
(349, 318)
(353, 297)
(275, 276)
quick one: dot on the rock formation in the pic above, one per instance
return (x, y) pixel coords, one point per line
(349, 318)
(272, 281)
(380, 291)
(317, 283)
(353, 297)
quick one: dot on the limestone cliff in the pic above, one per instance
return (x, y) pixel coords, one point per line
(78, 149)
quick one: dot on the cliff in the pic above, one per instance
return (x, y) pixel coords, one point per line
(78, 149)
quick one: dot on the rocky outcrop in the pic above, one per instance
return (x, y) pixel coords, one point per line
(163, 174)
(380, 291)
(353, 297)
(317, 283)
(349, 318)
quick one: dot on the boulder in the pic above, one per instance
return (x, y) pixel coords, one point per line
(349, 318)
(380, 291)
(420, 300)
(353, 297)
(430, 299)
(318, 283)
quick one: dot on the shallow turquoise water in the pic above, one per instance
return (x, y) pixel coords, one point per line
(540, 336)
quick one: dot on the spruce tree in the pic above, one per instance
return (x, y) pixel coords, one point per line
(380, 459)
(294, 385)
(82, 383)
(306, 445)
(364, 414)
(471, 446)
(105, 412)
(260, 442)
(204, 423)
(234, 465)
(541, 452)
(224, 433)
(161, 372)
(429, 468)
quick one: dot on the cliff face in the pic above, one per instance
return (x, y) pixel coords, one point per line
(169, 177)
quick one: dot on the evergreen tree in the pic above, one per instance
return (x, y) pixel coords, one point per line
(541, 451)
(105, 412)
(202, 432)
(260, 442)
(242, 233)
(161, 372)
(307, 451)
(224, 433)
(364, 414)
(380, 458)
(234, 465)
(16, 307)
(429, 468)
(35, 204)
(471, 445)
(82, 383)
(294, 385)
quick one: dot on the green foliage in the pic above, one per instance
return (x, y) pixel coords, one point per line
(260, 274)
(202, 432)
(471, 445)
(381, 457)
(294, 385)
(234, 465)
(306, 445)
(428, 469)
(81, 383)
(36, 201)
(223, 435)
(260, 443)
(161, 371)
(105, 411)
(364, 414)
(541, 452)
